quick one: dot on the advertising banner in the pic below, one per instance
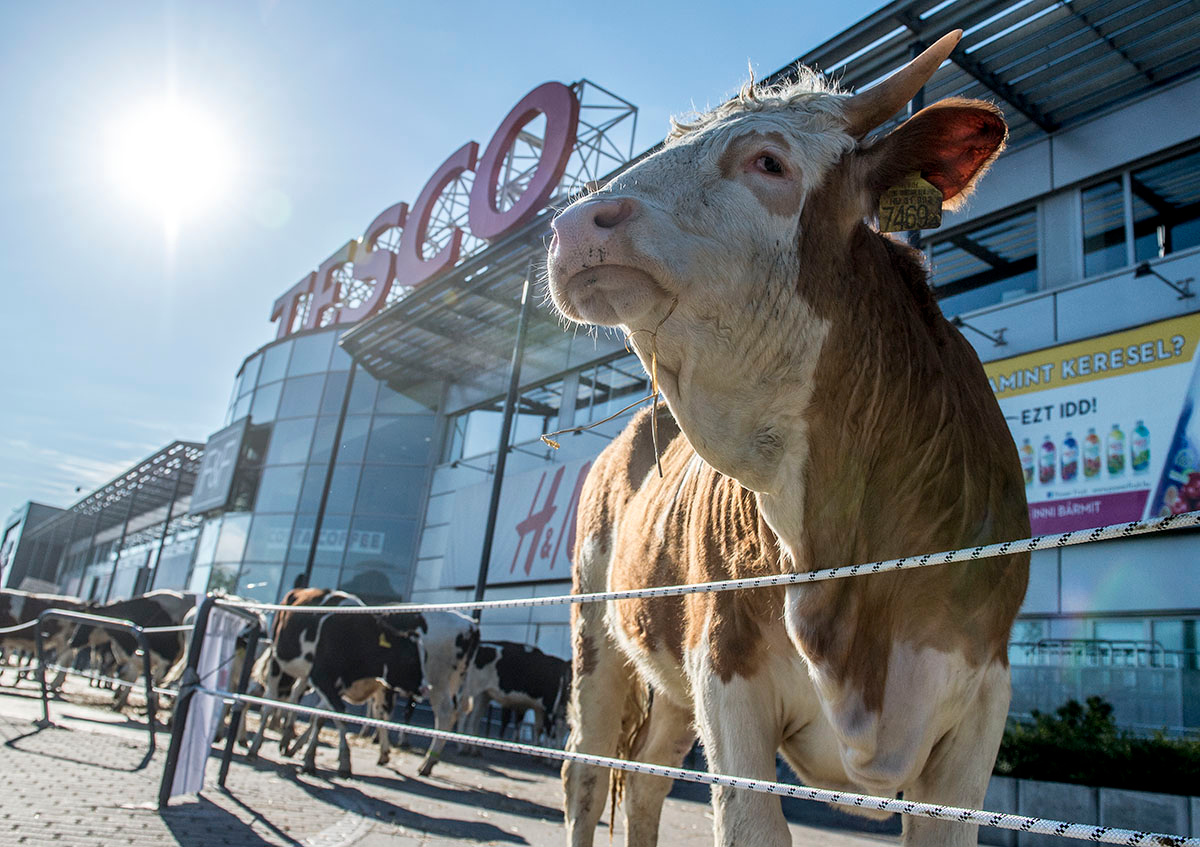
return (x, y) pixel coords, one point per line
(216, 656)
(1104, 427)
(535, 527)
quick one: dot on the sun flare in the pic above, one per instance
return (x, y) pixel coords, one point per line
(170, 158)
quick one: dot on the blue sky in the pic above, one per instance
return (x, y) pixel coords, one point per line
(113, 345)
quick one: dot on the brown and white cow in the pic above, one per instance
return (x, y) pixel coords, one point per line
(830, 415)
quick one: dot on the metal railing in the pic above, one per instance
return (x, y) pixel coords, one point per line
(1099, 652)
(106, 623)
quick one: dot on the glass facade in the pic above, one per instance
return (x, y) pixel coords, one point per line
(362, 533)
(588, 394)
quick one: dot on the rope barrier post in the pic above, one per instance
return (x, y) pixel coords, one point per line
(239, 706)
(39, 641)
(183, 704)
(151, 697)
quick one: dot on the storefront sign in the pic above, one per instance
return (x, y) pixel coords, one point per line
(214, 481)
(535, 527)
(409, 267)
(1104, 427)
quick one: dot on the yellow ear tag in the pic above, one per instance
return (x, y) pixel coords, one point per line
(912, 203)
(383, 642)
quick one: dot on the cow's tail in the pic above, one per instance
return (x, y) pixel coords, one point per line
(634, 723)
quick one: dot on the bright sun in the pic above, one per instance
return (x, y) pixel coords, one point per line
(170, 158)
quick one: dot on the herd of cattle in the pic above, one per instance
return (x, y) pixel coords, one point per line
(363, 658)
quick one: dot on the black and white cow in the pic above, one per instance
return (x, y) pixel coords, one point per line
(355, 658)
(286, 666)
(156, 609)
(517, 677)
(448, 643)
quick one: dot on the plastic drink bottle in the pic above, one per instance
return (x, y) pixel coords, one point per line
(1046, 461)
(1091, 454)
(1027, 461)
(1116, 451)
(1070, 458)
(1139, 458)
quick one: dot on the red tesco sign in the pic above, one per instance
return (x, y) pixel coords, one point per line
(409, 266)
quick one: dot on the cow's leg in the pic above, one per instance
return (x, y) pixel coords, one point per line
(274, 675)
(667, 740)
(287, 729)
(445, 712)
(469, 722)
(739, 722)
(603, 693)
(382, 704)
(958, 769)
(127, 671)
(330, 699)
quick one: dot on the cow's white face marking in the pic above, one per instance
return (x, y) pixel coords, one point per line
(694, 253)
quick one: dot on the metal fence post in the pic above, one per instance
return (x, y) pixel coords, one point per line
(239, 706)
(41, 660)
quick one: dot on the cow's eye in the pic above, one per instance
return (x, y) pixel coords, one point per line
(769, 164)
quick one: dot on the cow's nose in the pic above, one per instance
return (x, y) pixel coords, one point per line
(593, 218)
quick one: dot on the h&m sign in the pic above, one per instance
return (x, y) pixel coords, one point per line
(409, 267)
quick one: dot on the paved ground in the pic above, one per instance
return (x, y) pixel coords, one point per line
(85, 782)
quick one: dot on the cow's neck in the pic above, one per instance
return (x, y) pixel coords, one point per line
(739, 390)
(829, 399)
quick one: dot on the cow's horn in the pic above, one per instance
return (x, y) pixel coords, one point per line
(872, 107)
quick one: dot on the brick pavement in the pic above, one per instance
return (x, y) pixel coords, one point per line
(81, 784)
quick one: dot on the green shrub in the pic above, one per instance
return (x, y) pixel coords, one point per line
(1084, 745)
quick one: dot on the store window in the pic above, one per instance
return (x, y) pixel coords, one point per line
(1166, 207)
(311, 354)
(232, 542)
(1165, 202)
(986, 265)
(400, 439)
(280, 488)
(473, 433)
(608, 387)
(301, 396)
(477, 431)
(268, 540)
(290, 441)
(390, 490)
(249, 376)
(1104, 228)
(274, 364)
(266, 401)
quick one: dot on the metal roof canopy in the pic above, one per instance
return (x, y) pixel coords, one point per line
(460, 324)
(152, 482)
(1048, 64)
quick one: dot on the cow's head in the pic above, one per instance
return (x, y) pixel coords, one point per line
(707, 254)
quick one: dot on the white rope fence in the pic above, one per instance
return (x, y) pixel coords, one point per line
(1003, 820)
(8, 630)
(1104, 834)
(1041, 542)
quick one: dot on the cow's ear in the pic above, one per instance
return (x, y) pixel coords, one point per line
(950, 144)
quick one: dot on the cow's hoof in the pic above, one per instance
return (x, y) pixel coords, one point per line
(382, 760)
(426, 769)
(310, 769)
(344, 773)
(251, 755)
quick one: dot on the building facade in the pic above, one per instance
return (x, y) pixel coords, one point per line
(366, 437)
